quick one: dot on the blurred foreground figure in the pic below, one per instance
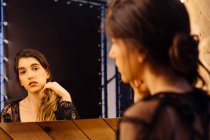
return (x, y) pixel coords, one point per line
(156, 53)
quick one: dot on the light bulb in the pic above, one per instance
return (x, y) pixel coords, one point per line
(4, 4)
(5, 23)
(6, 41)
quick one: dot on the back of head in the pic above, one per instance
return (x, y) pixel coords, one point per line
(162, 29)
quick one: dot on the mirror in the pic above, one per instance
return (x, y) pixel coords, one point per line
(68, 34)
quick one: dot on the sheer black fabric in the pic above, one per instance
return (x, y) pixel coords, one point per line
(167, 116)
(65, 111)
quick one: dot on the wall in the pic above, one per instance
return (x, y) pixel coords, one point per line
(200, 24)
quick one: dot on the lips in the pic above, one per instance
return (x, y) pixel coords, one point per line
(32, 83)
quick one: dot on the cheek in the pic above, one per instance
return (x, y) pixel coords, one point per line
(21, 81)
(44, 77)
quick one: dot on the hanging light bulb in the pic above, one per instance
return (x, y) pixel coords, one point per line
(6, 41)
(5, 59)
(4, 4)
(6, 78)
(5, 23)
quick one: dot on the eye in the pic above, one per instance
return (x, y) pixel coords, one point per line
(35, 68)
(22, 72)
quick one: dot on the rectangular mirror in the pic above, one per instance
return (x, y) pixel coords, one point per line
(68, 34)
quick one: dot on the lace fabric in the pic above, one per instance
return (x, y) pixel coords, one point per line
(167, 116)
(65, 111)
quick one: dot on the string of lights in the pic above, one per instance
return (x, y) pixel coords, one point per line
(82, 2)
(3, 42)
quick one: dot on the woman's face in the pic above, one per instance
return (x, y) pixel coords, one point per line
(126, 58)
(32, 75)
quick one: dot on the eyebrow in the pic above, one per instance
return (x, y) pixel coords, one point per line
(34, 64)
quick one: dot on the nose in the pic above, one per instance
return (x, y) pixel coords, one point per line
(111, 53)
(30, 74)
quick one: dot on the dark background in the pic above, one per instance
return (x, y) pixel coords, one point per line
(69, 36)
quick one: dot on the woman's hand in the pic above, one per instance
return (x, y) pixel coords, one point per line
(140, 89)
(59, 90)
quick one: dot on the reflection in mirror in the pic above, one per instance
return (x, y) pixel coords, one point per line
(68, 34)
(45, 100)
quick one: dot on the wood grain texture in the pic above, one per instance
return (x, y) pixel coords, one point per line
(96, 129)
(199, 11)
(113, 123)
(25, 131)
(63, 130)
(199, 17)
(4, 135)
(83, 129)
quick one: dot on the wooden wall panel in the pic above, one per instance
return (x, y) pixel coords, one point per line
(200, 16)
(199, 12)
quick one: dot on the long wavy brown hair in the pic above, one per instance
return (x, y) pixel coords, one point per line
(48, 103)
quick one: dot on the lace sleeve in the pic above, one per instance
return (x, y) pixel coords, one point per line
(66, 111)
(6, 114)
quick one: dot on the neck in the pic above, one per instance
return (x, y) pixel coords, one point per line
(166, 81)
(33, 100)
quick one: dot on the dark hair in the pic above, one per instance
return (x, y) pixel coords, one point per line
(162, 27)
(35, 54)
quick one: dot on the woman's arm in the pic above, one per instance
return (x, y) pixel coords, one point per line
(59, 90)
(65, 107)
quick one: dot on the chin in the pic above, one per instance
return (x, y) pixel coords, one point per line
(125, 80)
(35, 90)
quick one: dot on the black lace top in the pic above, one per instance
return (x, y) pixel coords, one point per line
(168, 116)
(65, 111)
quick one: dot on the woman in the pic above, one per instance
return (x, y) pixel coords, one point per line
(46, 100)
(151, 42)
